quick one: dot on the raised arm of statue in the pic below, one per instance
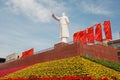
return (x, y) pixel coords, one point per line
(55, 17)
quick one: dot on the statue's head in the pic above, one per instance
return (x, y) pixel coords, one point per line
(63, 14)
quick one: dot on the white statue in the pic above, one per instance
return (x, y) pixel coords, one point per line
(64, 24)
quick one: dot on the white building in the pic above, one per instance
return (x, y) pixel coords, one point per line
(13, 57)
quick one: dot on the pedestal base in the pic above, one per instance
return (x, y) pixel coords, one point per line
(64, 39)
(61, 44)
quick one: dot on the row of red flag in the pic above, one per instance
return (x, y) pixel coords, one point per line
(90, 34)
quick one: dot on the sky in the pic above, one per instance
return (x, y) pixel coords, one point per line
(26, 24)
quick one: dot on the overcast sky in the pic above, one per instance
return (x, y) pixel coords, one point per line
(26, 24)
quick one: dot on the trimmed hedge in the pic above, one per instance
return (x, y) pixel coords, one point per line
(110, 64)
(75, 66)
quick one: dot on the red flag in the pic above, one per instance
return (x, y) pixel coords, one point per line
(98, 32)
(28, 52)
(82, 36)
(90, 35)
(107, 30)
(75, 37)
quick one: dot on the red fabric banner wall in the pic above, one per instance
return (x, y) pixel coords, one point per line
(28, 52)
(90, 35)
(107, 30)
(76, 37)
(98, 32)
(80, 36)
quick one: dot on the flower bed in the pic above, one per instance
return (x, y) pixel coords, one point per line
(8, 71)
(75, 66)
(59, 78)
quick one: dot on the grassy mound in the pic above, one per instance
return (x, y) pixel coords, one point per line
(75, 66)
(110, 64)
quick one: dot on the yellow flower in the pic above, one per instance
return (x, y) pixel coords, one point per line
(64, 67)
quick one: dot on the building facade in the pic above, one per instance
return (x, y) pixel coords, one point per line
(115, 44)
(12, 57)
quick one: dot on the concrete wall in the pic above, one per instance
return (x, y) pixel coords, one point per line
(101, 52)
(60, 51)
(63, 50)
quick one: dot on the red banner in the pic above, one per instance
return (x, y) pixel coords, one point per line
(80, 36)
(98, 32)
(107, 30)
(76, 37)
(28, 52)
(90, 35)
